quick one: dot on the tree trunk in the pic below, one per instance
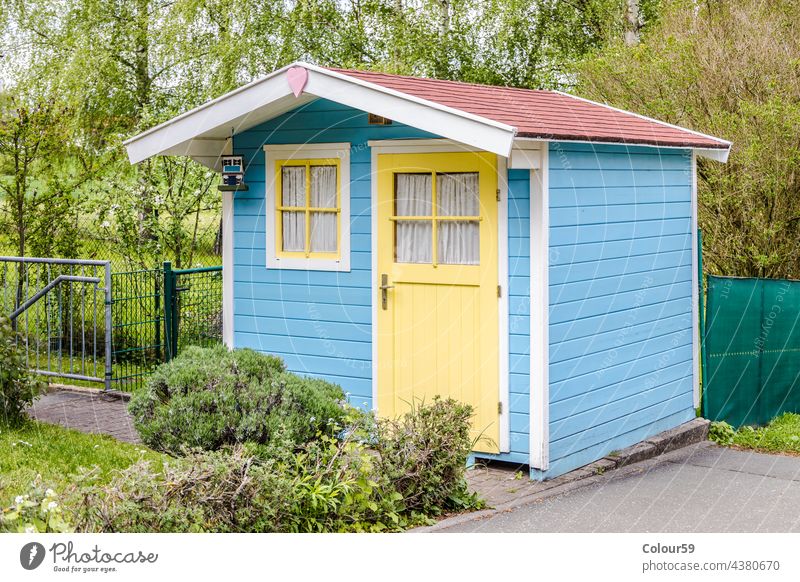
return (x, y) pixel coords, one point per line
(632, 25)
(142, 55)
(143, 85)
(218, 240)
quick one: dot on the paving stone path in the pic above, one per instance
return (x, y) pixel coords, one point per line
(90, 412)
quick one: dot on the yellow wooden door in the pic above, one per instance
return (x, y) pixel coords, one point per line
(437, 272)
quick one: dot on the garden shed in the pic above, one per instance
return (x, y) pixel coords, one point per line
(529, 252)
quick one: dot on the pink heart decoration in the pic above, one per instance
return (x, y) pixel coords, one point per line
(297, 77)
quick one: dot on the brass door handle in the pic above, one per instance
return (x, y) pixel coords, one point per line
(385, 290)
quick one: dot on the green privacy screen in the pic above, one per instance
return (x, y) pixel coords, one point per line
(752, 348)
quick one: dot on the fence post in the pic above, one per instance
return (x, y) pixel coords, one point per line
(169, 305)
(157, 327)
(109, 326)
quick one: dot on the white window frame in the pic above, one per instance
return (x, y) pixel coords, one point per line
(274, 152)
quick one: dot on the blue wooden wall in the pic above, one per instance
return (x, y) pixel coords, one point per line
(620, 298)
(620, 286)
(319, 322)
(519, 309)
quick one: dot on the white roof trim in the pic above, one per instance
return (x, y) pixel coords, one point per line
(271, 96)
(724, 142)
(717, 154)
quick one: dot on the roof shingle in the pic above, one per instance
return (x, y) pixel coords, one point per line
(542, 114)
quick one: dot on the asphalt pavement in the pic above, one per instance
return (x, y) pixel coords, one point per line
(701, 488)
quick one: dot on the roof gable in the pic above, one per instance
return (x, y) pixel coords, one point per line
(482, 116)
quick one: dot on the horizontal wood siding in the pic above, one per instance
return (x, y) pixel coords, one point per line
(519, 292)
(620, 298)
(319, 322)
(519, 326)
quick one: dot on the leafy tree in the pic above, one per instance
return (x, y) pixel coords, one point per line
(121, 66)
(39, 179)
(728, 69)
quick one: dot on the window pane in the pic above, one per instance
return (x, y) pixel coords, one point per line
(293, 186)
(413, 194)
(413, 241)
(459, 242)
(323, 232)
(294, 231)
(457, 194)
(323, 186)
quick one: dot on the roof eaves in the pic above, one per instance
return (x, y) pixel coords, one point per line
(723, 143)
(617, 140)
(206, 105)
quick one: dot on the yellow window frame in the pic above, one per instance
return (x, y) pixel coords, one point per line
(307, 208)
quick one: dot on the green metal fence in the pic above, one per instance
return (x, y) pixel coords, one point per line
(137, 316)
(193, 307)
(752, 349)
(158, 312)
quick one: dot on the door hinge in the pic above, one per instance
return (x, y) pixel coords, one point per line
(498, 194)
(499, 408)
(499, 291)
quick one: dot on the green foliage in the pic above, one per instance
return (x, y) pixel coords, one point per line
(424, 452)
(336, 482)
(781, 435)
(327, 487)
(211, 397)
(18, 388)
(728, 69)
(721, 433)
(333, 483)
(205, 491)
(337, 488)
(36, 511)
(105, 71)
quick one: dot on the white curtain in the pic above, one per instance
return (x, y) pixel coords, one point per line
(293, 193)
(458, 241)
(413, 239)
(323, 195)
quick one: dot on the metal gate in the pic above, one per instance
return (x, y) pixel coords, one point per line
(61, 310)
(137, 326)
(80, 322)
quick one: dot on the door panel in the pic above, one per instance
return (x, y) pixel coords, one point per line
(437, 252)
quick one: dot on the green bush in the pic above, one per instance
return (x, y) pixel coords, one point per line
(205, 491)
(18, 388)
(212, 397)
(721, 433)
(327, 487)
(351, 477)
(424, 454)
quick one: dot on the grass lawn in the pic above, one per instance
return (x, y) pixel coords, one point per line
(56, 453)
(781, 435)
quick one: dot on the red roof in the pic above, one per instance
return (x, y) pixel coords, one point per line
(542, 114)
